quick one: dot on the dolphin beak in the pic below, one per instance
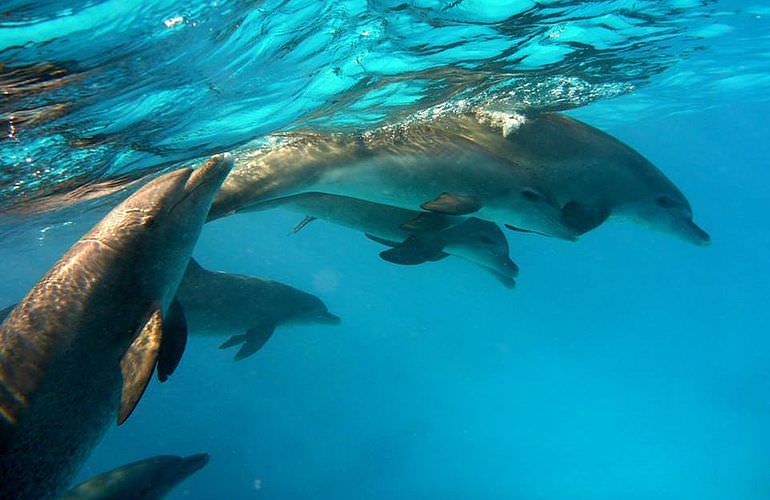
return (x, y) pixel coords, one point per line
(195, 463)
(330, 319)
(210, 175)
(694, 234)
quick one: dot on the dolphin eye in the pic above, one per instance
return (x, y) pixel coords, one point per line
(530, 194)
(666, 202)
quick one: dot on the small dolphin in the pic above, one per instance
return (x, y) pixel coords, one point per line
(415, 237)
(149, 479)
(218, 303)
(545, 173)
(100, 319)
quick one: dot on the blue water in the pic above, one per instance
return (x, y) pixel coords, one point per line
(626, 365)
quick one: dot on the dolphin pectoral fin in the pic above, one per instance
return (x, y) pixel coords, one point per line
(173, 341)
(425, 221)
(304, 222)
(583, 218)
(382, 241)
(452, 204)
(413, 251)
(255, 338)
(138, 363)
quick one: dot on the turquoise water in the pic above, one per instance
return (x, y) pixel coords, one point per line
(626, 365)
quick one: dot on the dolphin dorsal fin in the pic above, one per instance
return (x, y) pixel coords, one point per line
(138, 363)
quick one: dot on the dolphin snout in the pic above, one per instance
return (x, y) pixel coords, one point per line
(693, 233)
(195, 462)
(330, 319)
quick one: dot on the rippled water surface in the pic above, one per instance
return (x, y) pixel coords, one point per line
(626, 365)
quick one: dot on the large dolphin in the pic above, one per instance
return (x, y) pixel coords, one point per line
(545, 173)
(244, 307)
(415, 237)
(149, 479)
(83, 343)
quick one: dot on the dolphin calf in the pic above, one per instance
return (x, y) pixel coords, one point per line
(149, 479)
(544, 173)
(245, 307)
(84, 342)
(415, 237)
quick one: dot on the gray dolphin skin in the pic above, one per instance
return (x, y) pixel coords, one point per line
(149, 479)
(84, 342)
(415, 237)
(548, 174)
(247, 308)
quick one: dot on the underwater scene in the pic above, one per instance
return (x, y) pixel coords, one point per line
(384, 249)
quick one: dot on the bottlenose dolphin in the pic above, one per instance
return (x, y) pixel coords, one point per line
(545, 173)
(100, 319)
(149, 479)
(245, 307)
(415, 237)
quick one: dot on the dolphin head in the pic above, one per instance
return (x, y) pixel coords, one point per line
(484, 244)
(311, 309)
(149, 237)
(669, 212)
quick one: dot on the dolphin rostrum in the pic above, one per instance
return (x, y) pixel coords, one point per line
(545, 173)
(244, 307)
(83, 343)
(149, 479)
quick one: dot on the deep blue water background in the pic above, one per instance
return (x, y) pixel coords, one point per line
(626, 365)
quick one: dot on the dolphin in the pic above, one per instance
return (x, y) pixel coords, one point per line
(245, 307)
(420, 166)
(415, 237)
(544, 173)
(84, 342)
(149, 479)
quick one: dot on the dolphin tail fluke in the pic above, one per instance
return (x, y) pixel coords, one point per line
(252, 340)
(138, 363)
(173, 342)
(413, 251)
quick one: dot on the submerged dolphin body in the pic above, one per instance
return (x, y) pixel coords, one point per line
(416, 237)
(245, 307)
(100, 319)
(548, 174)
(149, 479)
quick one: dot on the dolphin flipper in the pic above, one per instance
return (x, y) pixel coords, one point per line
(382, 241)
(173, 341)
(138, 363)
(452, 204)
(252, 340)
(413, 251)
(583, 218)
